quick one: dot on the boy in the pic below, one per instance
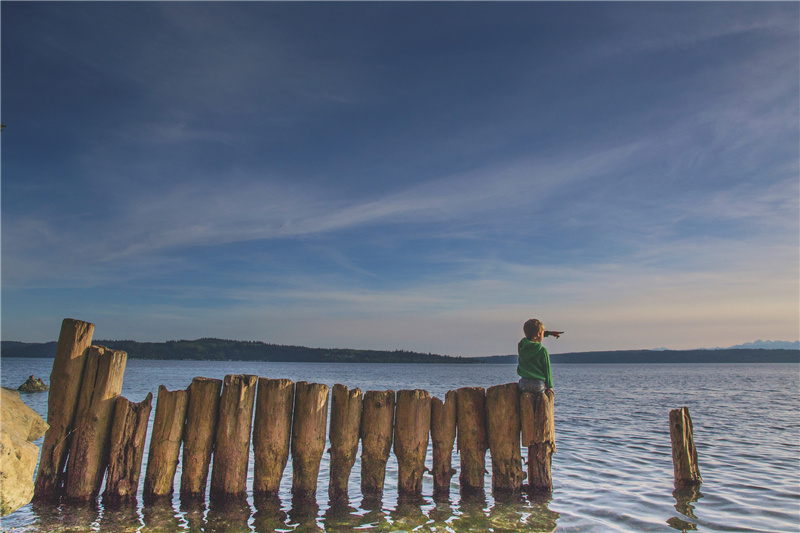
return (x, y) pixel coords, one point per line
(534, 361)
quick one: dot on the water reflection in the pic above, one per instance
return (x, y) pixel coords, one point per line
(120, 517)
(228, 516)
(160, 516)
(269, 515)
(684, 498)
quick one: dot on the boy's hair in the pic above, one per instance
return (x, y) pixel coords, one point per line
(532, 328)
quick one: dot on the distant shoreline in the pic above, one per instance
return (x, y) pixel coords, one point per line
(227, 350)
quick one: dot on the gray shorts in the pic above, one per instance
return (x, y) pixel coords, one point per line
(531, 385)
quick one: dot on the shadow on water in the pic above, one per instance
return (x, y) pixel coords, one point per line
(684, 498)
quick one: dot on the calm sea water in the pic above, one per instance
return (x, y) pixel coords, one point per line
(612, 470)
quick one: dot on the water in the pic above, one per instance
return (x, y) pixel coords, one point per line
(612, 470)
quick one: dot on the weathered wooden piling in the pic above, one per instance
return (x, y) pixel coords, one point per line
(411, 428)
(684, 452)
(65, 382)
(443, 436)
(128, 433)
(377, 425)
(308, 438)
(344, 434)
(503, 430)
(472, 440)
(198, 436)
(232, 444)
(165, 444)
(271, 435)
(88, 455)
(538, 435)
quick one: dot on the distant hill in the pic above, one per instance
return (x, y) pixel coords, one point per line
(769, 345)
(227, 350)
(729, 355)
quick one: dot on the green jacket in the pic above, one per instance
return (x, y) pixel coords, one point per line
(534, 362)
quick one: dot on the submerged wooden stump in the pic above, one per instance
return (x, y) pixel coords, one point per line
(503, 429)
(65, 382)
(344, 433)
(91, 438)
(538, 434)
(271, 435)
(232, 444)
(165, 444)
(128, 433)
(472, 440)
(377, 424)
(684, 452)
(198, 436)
(308, 438)
(411, 427)
(443, 436)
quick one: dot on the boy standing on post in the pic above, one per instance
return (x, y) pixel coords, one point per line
(534, 361)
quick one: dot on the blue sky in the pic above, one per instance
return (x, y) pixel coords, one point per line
(419, 176)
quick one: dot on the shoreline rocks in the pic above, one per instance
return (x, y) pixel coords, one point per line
(19, 427)
(33, 384)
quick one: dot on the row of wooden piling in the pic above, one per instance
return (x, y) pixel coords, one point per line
(97, 433)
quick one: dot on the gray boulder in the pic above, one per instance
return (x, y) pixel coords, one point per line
(19, 427)
(33, 384)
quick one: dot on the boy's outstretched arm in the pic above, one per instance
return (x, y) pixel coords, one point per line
(555, 334)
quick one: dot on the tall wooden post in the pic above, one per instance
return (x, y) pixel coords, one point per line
(198, 436)
(88, 456)
(308, 438)
(503, 429)
(377, 424)
(443, 436)
(271, 435)
(344, 433)
(684, 452)
(165, 444)
(232, 445)
(472, 440)
(538, 434)
(411, 427)
(128, 433)
(65, 383)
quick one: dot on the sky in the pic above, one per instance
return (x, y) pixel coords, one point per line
(402, 176)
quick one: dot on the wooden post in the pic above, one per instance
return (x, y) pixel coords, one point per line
(308, 438)
(198, 436)
(128, 433)
(165, 444)
(538, 434)
(232, 445)
(503, 429)
(271, 435)
(345, 430)
(65, 383)
(377, 424)
(88, 456)
(411, 427)
(472, 441)
(684, 453)
(443, 436)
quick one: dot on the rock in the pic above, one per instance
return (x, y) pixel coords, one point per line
(19, 426)
(33, 384)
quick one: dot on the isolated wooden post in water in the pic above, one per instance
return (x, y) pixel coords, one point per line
(377, 425)
(128, 432)
(472, 441)
(198, 436)
(165, 444)
(411, 427)
(344, 433)
(503, 430)
(684, 453)
(308, 437)
(538, 434)
(271, 434)
(232, 445)
(65, 383)
(88, 455)
(443, 436)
